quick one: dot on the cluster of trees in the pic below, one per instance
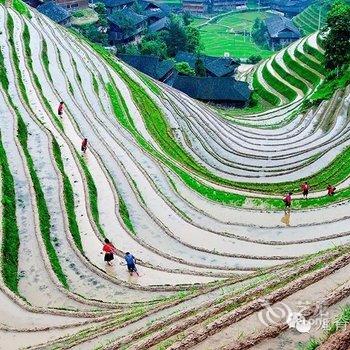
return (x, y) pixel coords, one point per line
(167, 43)
(337, 38)
(97, 32)
(259, 31)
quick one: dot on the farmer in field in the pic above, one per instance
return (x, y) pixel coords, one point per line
(131, 263)
(330, 190)
(109, 249)
(287, 201)
(84, 145)
(305, 189)
(60, 108)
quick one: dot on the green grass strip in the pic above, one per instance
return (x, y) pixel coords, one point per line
(10, 236)
(21, 8)
(313, 52)
(263, 93)
(15, 60)
(124, 213)
(291, 79)
(45, 59)
(310, 63)
(280, 87)
(28, 54)
(68, 197)
(93, 195)
(43, 212)
(302, 71)
(3, 75)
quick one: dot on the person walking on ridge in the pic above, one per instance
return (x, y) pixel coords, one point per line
(109, 249)
(84, 145)
(131, 263)
(60, 109)
(305, 189)
(330, 190)
(287, 201)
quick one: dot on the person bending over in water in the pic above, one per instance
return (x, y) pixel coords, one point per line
(109, 249)
(287, 201)
(305, 189)
(60, 108)
(131, 263)
(84, 145)
(330, 190)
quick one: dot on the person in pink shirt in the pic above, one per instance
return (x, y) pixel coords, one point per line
(288, 201)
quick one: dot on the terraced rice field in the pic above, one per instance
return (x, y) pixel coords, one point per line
(195, 197)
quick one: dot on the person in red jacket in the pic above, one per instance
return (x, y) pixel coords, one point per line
(287, 201)
(109, 249)
(60, 108)
(84, 145)
(330, 190)
(305, 189)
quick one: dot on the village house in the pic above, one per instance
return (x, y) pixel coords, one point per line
(289, 7)
(55, 12)
(281, 32)
(208, 6)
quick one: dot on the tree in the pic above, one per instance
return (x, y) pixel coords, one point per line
(258, 32)
(187, 18)
(254, 59)
(153, 47)
(176, 36)
(91, 32)
(184, 68)
(193, 39)
(131, 49)
(337, 41)
(100, 8)
(200, 68)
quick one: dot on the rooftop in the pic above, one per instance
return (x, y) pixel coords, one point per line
(279, 26)
(118, 17)
(213, 88)
(53, 11)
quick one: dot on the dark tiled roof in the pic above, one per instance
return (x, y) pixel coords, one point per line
(148, 64)
(115, 3)
(279, 26)
(288, 6)
(53, 11)
(213, 88)
(218, 66)
(135, 18)
(161, 24)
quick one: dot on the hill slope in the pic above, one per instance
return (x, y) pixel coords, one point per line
(195, 197)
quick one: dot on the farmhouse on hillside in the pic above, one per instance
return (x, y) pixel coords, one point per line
(281, 31)
(202, 6)
(226, 91)
(289, 7)
(55, 12)
(214, 66)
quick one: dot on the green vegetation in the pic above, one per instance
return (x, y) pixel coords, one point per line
(300, 70)
(43, 212)
(93, 196)
(336, 42)
(45, 59)
(263, 93)
(291, 79)
(21, 8)
(218, 40)
(280, 87)
(309, 62)
(10, 237)
(15, 59)
(124, 213)
(68, 197)
(313, 52)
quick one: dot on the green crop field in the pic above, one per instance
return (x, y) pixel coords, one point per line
(226, 34)
(217, 40)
